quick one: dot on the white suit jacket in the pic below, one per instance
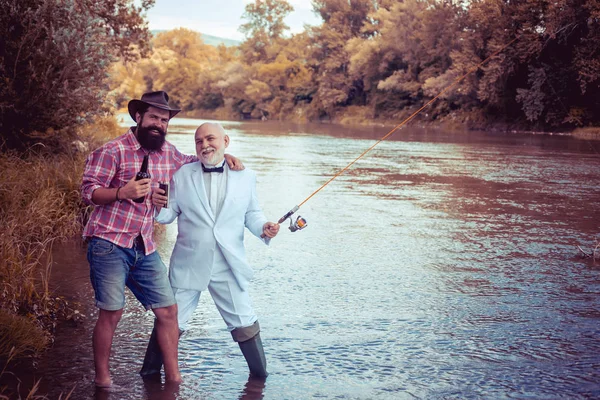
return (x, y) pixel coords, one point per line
(199, 232)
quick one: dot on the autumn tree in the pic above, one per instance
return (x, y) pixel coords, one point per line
(190, 59)
(410, 46)
(181, 64)
(386, 58)
(328, 56)
(286, 81)
(277, 68)
(292, 80)
(54, 58)
(265, 27)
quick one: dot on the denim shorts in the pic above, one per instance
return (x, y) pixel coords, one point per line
(113, 267)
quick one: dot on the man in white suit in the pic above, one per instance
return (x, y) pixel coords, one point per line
(213, 205)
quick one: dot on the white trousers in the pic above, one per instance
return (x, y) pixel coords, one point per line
(232, 302)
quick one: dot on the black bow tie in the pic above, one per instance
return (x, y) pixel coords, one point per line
(214, 169)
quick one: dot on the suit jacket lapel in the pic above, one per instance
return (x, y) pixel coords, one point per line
(232, 179)
(198, 180)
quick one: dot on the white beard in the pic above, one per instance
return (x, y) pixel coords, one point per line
(211, 159)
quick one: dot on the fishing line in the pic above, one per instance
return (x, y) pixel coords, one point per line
(301, 223)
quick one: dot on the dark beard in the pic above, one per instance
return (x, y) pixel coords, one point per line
(150, 141)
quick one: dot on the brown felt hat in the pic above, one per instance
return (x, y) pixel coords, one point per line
(158, 99)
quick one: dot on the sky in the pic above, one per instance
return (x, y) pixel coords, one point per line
(219, 17)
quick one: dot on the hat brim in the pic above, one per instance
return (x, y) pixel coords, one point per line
(134, 106)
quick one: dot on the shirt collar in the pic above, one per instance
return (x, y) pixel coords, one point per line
(131, 139)
(222, 163)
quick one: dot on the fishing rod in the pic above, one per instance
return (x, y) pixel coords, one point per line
(301, 223)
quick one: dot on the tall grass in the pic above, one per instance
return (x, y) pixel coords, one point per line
(40, 205)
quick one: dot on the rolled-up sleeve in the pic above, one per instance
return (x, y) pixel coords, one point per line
(100, 169)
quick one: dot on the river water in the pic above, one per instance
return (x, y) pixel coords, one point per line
(441, 265)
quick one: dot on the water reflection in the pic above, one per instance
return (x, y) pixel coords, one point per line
(440, 266)
(156, 390)
(253, 389)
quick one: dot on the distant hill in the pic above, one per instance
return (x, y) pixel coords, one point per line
(209, 39)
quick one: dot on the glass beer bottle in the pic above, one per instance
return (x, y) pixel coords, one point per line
(143, 174)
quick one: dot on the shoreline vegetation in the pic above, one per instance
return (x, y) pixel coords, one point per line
(450, 123)
(590, 133)
(379, 62)
(40, 206)
(495, 65)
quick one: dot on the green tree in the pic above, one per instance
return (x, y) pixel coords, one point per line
(54, 59)
(547, 78)
(558, 52)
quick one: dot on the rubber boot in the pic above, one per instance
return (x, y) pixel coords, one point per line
(255, 356)
(153, 360)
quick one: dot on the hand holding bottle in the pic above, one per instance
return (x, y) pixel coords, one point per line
(142, 175)
(135, 189)
(160, 197)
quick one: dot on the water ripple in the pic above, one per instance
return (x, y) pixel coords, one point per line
(442, 266)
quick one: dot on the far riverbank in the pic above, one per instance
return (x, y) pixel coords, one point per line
(453, 122)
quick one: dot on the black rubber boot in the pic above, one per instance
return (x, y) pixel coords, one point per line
(153, 359)
(255, 356)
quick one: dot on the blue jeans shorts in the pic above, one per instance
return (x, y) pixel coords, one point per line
(113, 267)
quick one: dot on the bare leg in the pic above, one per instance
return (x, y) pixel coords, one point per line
(167, 332)
(102, 342)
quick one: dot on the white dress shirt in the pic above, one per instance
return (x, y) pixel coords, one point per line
(215, 184)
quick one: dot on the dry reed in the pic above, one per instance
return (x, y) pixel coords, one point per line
(40, 205)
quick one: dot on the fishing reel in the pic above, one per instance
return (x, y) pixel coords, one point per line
(297, 225)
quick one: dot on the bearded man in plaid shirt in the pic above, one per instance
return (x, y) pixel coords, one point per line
(121, 249)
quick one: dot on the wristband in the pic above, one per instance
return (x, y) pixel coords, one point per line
(117, 196)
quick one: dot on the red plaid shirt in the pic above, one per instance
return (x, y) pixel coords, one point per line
(113, 165)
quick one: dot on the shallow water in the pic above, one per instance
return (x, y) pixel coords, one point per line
(441, 265)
